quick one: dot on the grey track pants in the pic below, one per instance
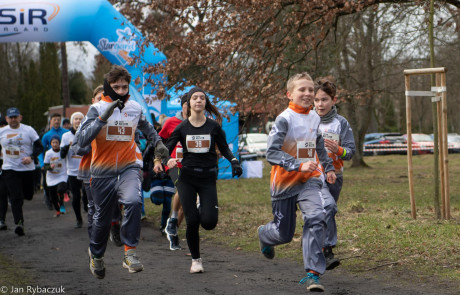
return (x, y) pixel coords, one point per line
(331, 194)
(281, 229)
(107, 194)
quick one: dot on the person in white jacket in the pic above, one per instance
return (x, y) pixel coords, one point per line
(73, 162)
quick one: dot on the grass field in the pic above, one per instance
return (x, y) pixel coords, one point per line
(375, 227)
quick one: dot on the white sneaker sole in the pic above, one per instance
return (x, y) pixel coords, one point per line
(132, 270)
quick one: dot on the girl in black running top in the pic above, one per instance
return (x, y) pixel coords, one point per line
(199, 136)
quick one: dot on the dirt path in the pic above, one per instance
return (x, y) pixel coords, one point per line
(55, 254)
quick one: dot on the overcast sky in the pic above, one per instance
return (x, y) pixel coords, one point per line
(77, 59)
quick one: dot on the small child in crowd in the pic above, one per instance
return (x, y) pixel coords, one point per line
(56, 175)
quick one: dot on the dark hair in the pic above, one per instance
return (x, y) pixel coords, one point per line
(116, 73)
(55, 137)
(209, 107)
(327, 86)
(97, 90)
(54, 115)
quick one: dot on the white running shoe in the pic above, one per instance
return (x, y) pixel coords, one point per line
(197, 266)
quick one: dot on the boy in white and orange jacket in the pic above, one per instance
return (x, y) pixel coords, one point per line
(295, 148)
(109, 127)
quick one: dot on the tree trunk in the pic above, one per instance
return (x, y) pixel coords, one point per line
(65, 80)
(434, 108)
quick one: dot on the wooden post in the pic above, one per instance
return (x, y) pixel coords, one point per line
(446, 203)
(409, 148)
(441, 111)
(441, 149)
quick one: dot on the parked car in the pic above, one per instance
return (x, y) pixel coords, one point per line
(384, 144)
(421, 143)
(254, 143)
(453, 142)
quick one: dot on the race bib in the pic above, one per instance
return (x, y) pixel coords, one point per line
(331, 136)
(12, 151)
(306, 151)
(119, 130)
(198, 143)
(57, 165)
(179, 154)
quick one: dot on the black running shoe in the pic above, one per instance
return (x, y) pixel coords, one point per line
(115, 235)
(3, 225)
(174, 243)
(20, 229)
(171, 226)
(331, 261)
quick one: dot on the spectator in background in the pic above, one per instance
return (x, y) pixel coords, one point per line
(66, 124)
(162, 119)
(20, 145)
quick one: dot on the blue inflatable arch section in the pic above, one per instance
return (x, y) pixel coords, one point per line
(98, 22)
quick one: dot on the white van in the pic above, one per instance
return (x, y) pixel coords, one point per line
(254, 143)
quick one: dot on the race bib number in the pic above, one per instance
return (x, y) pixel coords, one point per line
(331, 136)
(12, 151)
(306, 151)
(119, 130)
(179, 154)
(198, 143)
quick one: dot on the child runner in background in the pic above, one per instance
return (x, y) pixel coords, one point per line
(56, 175)
(158, 186)
(73, 162)
(198, 136)
(177, 214)
(84, 173)
(340, 144)
(295, 148)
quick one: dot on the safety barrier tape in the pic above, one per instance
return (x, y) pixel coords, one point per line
(400, 147)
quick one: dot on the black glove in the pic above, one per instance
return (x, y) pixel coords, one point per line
(109, 111)
(64, 151)
(236, 168)
(161, 151)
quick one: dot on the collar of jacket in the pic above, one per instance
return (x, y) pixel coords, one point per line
(108, 99)
(299, 109)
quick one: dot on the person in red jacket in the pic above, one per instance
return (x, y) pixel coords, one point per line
(177, 214)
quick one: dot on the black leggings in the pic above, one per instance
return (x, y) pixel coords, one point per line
(75, 188)
(20, 186)
(57, 194)
(3, 199)
(189, 186)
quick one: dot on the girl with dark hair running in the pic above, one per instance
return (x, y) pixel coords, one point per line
(198, 136)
